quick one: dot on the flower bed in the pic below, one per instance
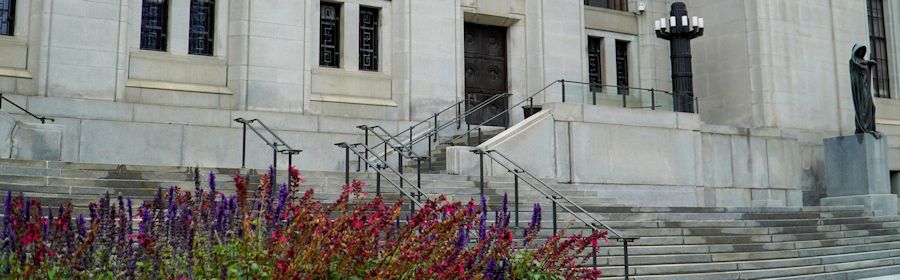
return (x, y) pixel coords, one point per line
(279, 233)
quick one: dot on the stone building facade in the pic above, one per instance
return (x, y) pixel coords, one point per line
(160, 81)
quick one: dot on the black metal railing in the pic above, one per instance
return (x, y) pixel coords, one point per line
(557, 199)
(592, 88)
(595, 93)
(404, 150)
(43, 119)
(278, 145)
(381, 166)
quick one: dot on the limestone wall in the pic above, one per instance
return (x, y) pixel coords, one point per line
(650, 150)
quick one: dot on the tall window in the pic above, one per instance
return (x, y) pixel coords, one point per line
(878, 41)
(621, 5)
(368, 39)
(7, 13)
(595, 63)
(622, 66)
(203, 14)
(154, 18)
(330, 35)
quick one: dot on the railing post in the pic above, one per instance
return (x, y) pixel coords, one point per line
(366, 152)
(468, 134)
(563, 83)
(274, 164)
(435, 127)
(377, 181)
(625, 253)
(429, 151)
(516, 196)
(244, 147)
(419, 172)
(479, 135)
(652, 99)
(458, 114)
(624, 99)
(347, 165)
(400, 165)
(554, 215)
(593, 96)
(481, 172)
(290, 159)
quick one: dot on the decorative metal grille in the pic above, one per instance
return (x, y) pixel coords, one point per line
(203, 13)
(622, 66)
(621, 5)
(7, 14)
(368, 39)
(330, 35)
(595, 63)
(154, 19)
(879, 51)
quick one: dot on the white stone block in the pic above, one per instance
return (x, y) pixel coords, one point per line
(35, 141)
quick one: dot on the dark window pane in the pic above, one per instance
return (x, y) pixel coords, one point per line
(203, 14)
(621, 5)
(7, 13)
(622, 66)
(368, 39)
(154, 21)
(878, 48)
(595, 64)
(330, 35)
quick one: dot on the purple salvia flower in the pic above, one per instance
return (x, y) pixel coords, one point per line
(482, 220)
(282, 199)
(535, 224)
(489, 272)
(212, 186)
(80, 226)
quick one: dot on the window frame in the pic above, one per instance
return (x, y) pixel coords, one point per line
(163, 38)
(595, 57)
(206, 39)
(334, 47)
(375, 39)
(10, 19)
(881, 81)
(618, 5)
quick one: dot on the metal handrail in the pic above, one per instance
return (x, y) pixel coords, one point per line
(529, 98)
(519, 169)
(555, 199)
(383, 165)
(438, 127)
(43, 119)
(275, 143)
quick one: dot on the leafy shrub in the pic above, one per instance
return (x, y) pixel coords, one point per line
(278, 233)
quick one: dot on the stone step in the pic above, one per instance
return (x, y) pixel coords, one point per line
(734, 271)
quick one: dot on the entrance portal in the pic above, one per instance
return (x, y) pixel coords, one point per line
(486, 72)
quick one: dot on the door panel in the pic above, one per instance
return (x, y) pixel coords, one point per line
(485, 72)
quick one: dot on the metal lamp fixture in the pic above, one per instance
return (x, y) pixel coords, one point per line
(679, 29)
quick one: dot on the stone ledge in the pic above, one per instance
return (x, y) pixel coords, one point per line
(178, 87)
(14, 72)
(353, 100)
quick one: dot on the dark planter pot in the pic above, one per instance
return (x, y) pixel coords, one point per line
(529, 110)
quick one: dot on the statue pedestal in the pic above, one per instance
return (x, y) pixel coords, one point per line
(856, 173)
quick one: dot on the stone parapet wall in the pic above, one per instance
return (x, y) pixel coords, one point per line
(124, 133)
(606, 146)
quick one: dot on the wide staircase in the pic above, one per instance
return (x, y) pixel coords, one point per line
(675, 243)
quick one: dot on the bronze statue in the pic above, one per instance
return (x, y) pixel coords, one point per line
(860, 77)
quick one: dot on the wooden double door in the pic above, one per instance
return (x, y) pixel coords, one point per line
(486, 73)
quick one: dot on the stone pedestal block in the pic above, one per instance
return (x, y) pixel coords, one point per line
(856, 173)
(37, 141)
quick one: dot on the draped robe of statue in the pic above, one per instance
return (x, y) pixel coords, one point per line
(860, 77)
